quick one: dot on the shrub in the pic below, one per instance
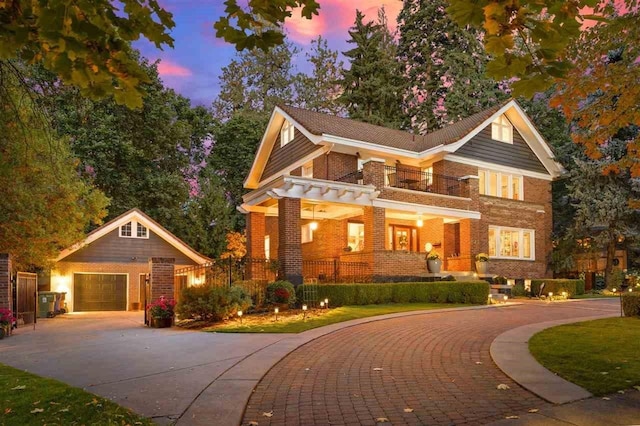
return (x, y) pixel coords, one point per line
(518, 289)
(500, 280)
(631, 304)
(212, 303)
(557, 286)
(281, 292)
(256, 289)
(476, 292)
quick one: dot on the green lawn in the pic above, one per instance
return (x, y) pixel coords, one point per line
(27, 399)
(593, 296)
(602, 356)
(293, 322)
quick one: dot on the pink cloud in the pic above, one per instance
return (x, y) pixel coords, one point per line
(167, 68)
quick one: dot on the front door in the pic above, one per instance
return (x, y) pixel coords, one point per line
(405, 238)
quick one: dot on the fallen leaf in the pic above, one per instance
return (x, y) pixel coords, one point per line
(382, 420)
(54, 403)
(21, 387)
(37, 410)
(604, 373)
(533, 410)
(7, 410)
(502, 386)
(637, 388)
(36, 403)
(269, 414)
(478, 362)
(512, 417)
(377, 369)
(617, 368)
(64, 410)
(606, 398)
(621, 392)
(408, 410)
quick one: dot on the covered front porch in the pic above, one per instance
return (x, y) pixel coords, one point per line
(309, 226)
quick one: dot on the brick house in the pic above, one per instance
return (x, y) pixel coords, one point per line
(107, 270)
(329, 188)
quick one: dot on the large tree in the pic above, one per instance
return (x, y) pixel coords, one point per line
(444, 66)
(372, 84)
(86, 43)
(46, 206)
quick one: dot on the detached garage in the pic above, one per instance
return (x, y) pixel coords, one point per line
(107, 271)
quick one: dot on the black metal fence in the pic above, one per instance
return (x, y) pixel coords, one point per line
(335, 271)
(417, 180)
(353, 177)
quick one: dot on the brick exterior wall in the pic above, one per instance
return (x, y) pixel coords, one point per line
(334, 165)
(256, 231)
(289, 246)
(6, 298)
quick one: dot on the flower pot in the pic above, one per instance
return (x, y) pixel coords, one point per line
(481, 267)
(161, 322)
(434, 265)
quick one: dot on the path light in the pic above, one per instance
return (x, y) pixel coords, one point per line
(564, 294)
(326, 303)
(505, 298)
(304, 312)
(321, 305)
(240, 316)
(614, 290)
(275, 311)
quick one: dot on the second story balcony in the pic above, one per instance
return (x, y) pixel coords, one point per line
(415, 180)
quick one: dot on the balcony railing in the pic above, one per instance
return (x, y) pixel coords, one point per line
(353, 177)
(417, 180)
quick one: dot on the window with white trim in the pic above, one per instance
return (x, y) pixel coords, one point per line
(511, 243)
(307, 233)
(307, 169)
(502, 130)
(287, 132)
(498, 184)
(127, 230)
(355, 236)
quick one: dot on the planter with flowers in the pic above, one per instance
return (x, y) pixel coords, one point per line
(281, 294)
(6, 320)
(482, 262)
(161, 312)
(434, 263)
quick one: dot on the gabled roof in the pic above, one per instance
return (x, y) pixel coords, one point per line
(319, 123)
(142, 218)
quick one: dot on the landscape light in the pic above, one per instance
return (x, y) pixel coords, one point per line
(275, 311)
(505, 297)
(326, 303)
(322, 304)
(304, 312)
(240, 316)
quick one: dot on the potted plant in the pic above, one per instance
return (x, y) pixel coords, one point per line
(281, 294)
(6, 319)
(482, 262)
(434, 263)
(161, 312)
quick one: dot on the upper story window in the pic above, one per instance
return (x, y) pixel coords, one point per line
(498, 184)
(502, 130)
(127, 230)
(307, 169)
(286, 133)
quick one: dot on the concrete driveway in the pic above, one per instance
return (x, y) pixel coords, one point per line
(158, 373)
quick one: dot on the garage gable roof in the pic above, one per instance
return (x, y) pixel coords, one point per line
(143, 219)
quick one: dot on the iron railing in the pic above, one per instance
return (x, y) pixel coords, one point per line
(353, 177)
(335, 271)
(417, 180)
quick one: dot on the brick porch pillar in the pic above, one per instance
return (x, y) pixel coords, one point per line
(289, 240)
(256, 230)
(469, 243)
(162, 278)
(6, 298)
(373, 173)
(374, 234)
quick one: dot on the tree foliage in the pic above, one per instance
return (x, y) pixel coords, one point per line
(372, 84)
(444, 67)
(46, 206)
(260, 26)
(86, 43)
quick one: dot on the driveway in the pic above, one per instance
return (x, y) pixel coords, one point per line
(158, 373)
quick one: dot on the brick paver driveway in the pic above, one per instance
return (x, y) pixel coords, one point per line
(437, 366)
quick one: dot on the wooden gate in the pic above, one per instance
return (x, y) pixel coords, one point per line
(26, 296)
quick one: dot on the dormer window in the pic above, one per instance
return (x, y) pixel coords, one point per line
(286, 133)
(127, 230)
(502, 130)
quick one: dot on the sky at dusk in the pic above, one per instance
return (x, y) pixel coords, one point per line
(193, 66)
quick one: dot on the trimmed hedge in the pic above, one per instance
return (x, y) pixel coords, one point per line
(557, 286)
(631, 304)
(474, 292)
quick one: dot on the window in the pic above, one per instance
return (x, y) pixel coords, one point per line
(307, 169)
(125, 230)
(141, 231)
(498, 184)
(286, 133)
(267, 247)
(502, 130)
(307, 233)
(355, 236)
(428, 175)
(511, 243)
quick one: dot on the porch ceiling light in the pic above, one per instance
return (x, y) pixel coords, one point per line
(419, 222)
(313, 225)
